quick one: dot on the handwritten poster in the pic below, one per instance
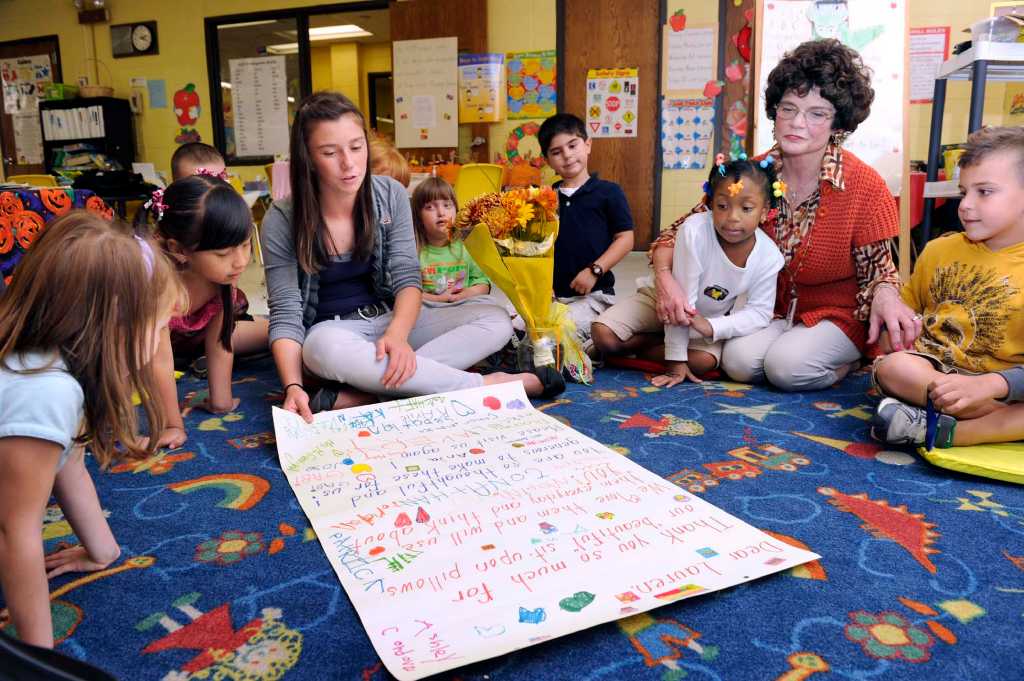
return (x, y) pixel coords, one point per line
(612, 102)
(481, 85)
(687, 127)
(929, 47)
(466, 525)
(259, 95)
(532, 84)
(426, 82)
(876, 29)
(689, 58)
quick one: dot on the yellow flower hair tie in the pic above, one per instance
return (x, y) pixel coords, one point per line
(780, 188)
(735, 188)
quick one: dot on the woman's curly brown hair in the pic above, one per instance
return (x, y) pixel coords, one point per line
(835, 69)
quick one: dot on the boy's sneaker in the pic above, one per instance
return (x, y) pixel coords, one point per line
(898, 423)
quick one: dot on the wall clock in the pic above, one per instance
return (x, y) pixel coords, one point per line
(133, 40)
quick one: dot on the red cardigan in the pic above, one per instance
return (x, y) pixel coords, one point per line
(826, 283)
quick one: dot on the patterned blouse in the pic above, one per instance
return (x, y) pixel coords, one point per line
(873, 262)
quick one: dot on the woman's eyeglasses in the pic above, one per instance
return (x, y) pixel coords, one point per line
(814, 117)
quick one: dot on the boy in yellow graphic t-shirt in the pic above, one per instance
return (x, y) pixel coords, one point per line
(968, 291)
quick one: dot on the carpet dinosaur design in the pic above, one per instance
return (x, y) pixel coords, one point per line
(909, 530)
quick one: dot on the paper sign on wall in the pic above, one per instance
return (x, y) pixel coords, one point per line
(929, 47)
(24, 80)
(467, 525)
(689, 58)
(532, 84)
(426, 83)
(481, 88)
(687, 127)
(259, 97)
(612, 102)
(876, 29)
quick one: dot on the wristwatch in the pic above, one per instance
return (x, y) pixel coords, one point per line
(595, 269)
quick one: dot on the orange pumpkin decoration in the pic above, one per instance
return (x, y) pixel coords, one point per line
(10, 203)
(6, 234)
(27, 226)
(97, 205)
(57, 201)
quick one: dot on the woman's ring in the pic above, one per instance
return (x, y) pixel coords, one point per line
(918, 318)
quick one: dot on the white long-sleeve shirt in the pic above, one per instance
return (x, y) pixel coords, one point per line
(712, 283)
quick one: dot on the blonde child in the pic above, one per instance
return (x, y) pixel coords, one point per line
(385, 159)
(83, 317)
(449, 273)
(968, 291)
(720, 255)
(206, 229)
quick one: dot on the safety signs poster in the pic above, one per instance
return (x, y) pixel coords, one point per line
(612, 102)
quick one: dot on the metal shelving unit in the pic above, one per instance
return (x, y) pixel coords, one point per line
(983, 62)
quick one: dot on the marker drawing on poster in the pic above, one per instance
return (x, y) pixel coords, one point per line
(875, 28)
(467, 525)
(612, 102)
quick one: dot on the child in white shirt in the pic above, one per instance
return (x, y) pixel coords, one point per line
(720, 255)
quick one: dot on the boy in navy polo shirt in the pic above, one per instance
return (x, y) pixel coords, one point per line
(595, 227)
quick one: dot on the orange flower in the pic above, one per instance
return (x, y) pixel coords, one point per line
(548, 200)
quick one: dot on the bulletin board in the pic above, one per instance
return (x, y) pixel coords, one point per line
(426, 83)
(877, 30)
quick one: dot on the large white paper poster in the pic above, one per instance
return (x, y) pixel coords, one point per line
(466, 525)
(259, 97)
(612, 102)
(426, 82)
(876, 29)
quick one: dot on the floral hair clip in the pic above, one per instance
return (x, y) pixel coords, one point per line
(742, 156)
(735, 188)
(767, 161)
(221, 174)
(719, 159)
(779, 188)
(157, 204)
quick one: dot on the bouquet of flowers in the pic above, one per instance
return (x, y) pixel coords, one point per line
(511, 236)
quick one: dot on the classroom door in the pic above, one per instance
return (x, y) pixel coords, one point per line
(26, 67)
(608, 34)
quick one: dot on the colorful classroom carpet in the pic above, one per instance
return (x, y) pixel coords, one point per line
(922, 575)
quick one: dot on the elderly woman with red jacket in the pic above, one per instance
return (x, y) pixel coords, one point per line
(839, 286)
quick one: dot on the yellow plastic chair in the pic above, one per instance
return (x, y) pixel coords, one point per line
(475, 179)
(268, 170)
(34, 180)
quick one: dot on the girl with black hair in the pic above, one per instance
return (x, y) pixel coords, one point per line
(206, 229)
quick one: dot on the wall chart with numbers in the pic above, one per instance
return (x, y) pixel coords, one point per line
(466, 525)
(687, 127)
